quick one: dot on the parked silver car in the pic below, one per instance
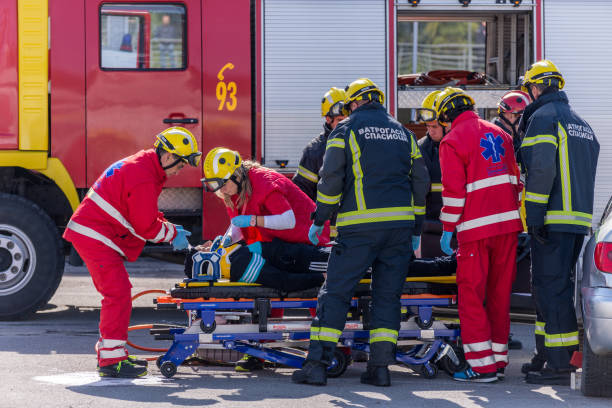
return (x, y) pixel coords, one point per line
(594, 306)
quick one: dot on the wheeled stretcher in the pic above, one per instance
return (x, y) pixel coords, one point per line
(237, 316)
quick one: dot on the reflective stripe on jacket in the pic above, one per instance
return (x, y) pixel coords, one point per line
(373, 173)
(480, 179)
(560, 153)
(120, 209)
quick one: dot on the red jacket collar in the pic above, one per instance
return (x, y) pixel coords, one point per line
(465, 116)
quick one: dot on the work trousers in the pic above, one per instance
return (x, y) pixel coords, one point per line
(111, 280)
(485, 271)
(388, 252)
(552, 270)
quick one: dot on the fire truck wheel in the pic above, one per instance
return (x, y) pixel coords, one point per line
(31, 261)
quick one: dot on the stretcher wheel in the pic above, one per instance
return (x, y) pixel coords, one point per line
(168, 369)
(429, 371)
(206, 329)
(339, 364)
(158, 361)
(422, 325)
(447, 364)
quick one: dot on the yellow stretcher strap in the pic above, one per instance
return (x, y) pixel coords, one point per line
(429, 279)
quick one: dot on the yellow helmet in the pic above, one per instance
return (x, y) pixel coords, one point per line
(363, 88)
(427, 111)
(449, 99)
(542, 72)
(219, 166)
(332, 102)
(180, 142)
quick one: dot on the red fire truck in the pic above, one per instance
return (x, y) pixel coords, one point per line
(86, 82)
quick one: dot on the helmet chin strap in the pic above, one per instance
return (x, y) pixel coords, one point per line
(237, 182)
(174, 163)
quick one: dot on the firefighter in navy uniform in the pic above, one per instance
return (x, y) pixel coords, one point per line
(429, 147)
(307, 175)
(560, 154)
(372, 174)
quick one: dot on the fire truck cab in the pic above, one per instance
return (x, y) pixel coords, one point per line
(85, 83)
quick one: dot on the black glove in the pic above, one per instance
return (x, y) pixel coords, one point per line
(539, 233)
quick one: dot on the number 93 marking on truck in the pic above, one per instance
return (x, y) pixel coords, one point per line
(226, 91)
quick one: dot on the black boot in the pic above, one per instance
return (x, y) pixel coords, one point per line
(549, 376)
(312, 372)
(536, 364)
(514, 344)
(376, 375)
(137, 361)
(123, 369)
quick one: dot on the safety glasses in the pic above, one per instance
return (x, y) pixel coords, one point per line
(426, 115)
(336, 109)
(193, 159)
(213, 184)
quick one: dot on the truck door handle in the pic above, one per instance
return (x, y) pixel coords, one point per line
(181, 120)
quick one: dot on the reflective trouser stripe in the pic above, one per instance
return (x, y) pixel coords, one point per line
(481, 362)
(566, 186)
(436, 187)
(539, 328)
(108, 349)
(476, 347)
(326, 199)
(357, 172)
(489, 219)
(88, 232)
(325, 334)
(375, 215)
(383, 335)
(307, 174)
(500, 352)
(568, 217)
(561, 339)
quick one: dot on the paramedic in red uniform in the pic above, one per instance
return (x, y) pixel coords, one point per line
(112, 224)
(480, 199)
(264, 206)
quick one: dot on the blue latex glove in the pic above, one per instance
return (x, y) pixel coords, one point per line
(255, 248)
(445, 242)
(314, 232)
(242, 221)
(416, 241)
(180, 241)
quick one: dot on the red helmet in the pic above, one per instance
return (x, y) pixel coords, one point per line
(513, 102)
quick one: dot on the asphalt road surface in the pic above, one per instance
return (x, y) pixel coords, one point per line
(48, 361)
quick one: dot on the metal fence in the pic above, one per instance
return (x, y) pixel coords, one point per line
(430, 57)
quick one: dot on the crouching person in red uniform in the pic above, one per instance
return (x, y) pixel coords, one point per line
(264, 207)
(480, 197)
(112, 224)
